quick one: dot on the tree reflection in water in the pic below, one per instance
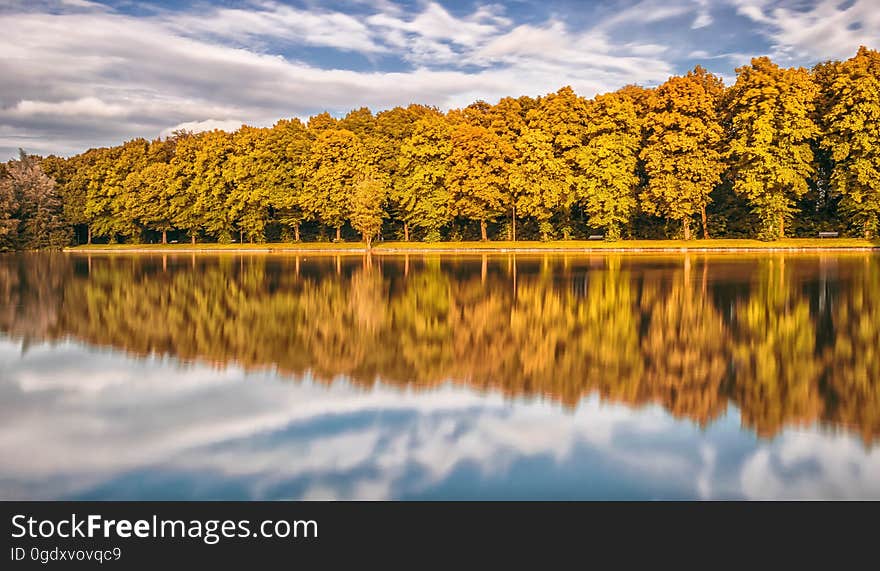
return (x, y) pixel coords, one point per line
(787, 340)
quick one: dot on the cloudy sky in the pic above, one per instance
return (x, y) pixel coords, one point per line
(80, 73)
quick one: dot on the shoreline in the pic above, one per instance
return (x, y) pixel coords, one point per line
(794, 245)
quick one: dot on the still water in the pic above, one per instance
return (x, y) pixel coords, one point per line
(498, 377)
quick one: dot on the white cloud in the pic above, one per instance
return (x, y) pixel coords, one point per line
(68, 72)
(648, 11)
(86, 75)
(84, 106)
(277, 21)
(829, 29)
(704, 17)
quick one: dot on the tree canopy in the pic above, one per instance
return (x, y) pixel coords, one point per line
(796, 150)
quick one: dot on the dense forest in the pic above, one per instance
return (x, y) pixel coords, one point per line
(781, 152)
(775, 337)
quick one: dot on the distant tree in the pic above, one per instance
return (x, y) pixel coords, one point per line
(771, 127)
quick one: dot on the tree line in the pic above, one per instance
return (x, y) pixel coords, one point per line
(768, 338)
(783, 151)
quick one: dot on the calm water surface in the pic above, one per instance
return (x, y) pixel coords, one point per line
(268, 377)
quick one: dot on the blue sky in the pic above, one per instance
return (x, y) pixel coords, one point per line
(83, 73)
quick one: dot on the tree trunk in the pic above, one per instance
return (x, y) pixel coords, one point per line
(483, 235)
(240, 237)
(705, 223)
(781, 225)
(406, 231)
(513, 223)
(296, 232)
(368, 240)
(193, 238)
(687, 228)
(164, 236)
(339, 233)
(89, 239)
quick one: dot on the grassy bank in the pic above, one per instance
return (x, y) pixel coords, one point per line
(791, 244)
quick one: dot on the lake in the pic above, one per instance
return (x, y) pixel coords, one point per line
(408, 377)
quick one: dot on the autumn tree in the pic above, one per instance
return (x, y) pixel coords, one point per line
(420, 187)
(106, 197)
(478, 174)
(851, 122)
(8, 215)
(31, 212)
(287, 148)
(150, 198)
(539, 180)
(68, 184)
(393, 128)
(247, 170)
(366, 207)
(771, 126)
(562, 115)
(320, 123)
(335, 163)
(682, 155)
(208, 185)
(360, 121)
(608, 162)
(185, 202)
(74, 187)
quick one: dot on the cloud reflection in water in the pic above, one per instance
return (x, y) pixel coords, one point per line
(77, 422)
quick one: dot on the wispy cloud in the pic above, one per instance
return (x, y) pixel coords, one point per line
(825, 29)
(78, 73)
